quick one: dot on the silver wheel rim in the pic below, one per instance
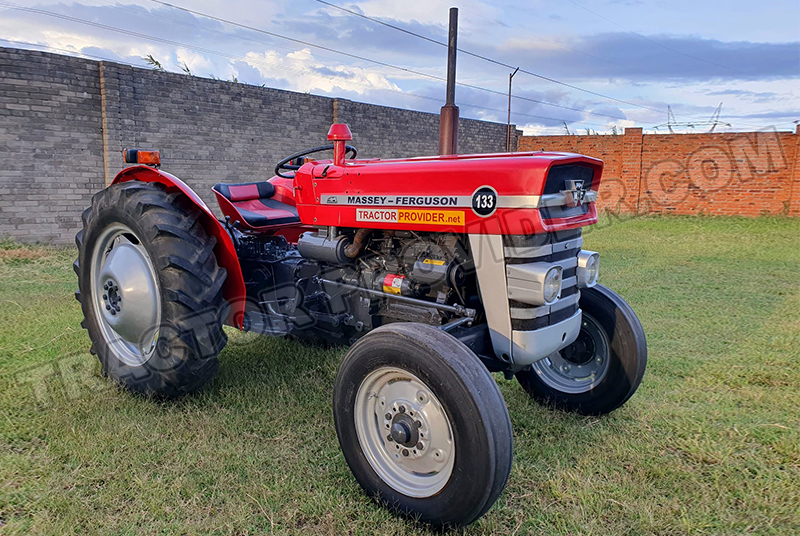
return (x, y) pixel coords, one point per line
(404, 432)
(125, 293)
(568, 376)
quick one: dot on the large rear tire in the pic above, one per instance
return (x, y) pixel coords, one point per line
(150, 289)
(422, 424)
(602, 369)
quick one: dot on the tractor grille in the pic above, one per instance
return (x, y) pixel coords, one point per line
(556, 181)
(560, 247)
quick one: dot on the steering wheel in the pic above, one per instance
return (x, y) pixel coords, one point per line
(285, 165)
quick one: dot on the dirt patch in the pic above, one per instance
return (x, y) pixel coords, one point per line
(22, 254)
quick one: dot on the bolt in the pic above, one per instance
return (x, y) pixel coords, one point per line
(402, 409)
(388, 416)
(418, 424)
(117, 308)
(113, 312)
(105, 296)
(389, 438)
(105, 287)
(405, 452)
(108, 307)
(419, 446)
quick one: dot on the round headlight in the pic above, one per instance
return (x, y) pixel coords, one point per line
(552, 285)
(588, 268)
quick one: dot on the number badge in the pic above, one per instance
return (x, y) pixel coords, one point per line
(484, 201)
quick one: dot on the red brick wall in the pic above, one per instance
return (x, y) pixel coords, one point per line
(743, 174)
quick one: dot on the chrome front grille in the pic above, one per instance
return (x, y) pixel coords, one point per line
(559, 247)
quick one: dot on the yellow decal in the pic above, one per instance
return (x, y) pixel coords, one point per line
(399, 215)
(431, 217)
(437, 262)
(393, 284)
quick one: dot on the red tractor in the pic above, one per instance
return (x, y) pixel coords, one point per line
(437, 271)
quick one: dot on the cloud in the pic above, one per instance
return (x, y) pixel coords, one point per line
(660, 57)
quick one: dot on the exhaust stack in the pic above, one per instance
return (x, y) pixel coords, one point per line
(448, 117)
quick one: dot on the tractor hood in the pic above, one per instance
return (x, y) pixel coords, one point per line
(509, 193)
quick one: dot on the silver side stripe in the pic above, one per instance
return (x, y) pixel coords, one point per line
(528, 252)
(528, 313)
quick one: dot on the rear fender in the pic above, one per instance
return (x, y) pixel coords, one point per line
(234, 289)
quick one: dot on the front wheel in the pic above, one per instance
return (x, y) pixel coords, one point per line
(602, 369)
(422, 424)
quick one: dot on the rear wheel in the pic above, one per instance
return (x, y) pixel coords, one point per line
(150, 289)
(422, 424)
(602, 369)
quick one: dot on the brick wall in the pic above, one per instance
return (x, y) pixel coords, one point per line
(51, 149)
(64, 122)
(745, 174)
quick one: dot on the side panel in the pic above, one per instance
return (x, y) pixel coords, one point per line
(487, 253)
(234, 289)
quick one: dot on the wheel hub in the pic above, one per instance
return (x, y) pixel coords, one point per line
(404, 432)
(127, 298)
(582, 365)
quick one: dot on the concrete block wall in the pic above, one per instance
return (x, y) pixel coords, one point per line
(733, 174)
(64, 122)
(51, 149)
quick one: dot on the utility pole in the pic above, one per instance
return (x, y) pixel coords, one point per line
(448, 117)
(508, 125)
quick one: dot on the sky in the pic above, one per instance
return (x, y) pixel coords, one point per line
(586, 65)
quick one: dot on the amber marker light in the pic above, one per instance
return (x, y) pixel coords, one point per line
(135, 156)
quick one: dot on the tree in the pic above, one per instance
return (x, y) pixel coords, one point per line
(154, 63)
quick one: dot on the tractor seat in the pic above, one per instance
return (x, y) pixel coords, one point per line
(254, 204)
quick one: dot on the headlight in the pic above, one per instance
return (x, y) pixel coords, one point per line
(588, 268)
(552, 285)
(537, 283)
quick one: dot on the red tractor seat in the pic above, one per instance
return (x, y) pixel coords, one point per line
(252, 202)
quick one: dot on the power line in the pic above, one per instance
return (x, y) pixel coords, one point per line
(654, 41)
(404, 93)
(306, 43)
(484, 58)
(558, 44)
(234, 57)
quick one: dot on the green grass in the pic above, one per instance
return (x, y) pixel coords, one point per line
(710, 444)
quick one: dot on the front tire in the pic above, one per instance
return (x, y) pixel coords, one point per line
(422, 424)
(150, 289)
(602, 369)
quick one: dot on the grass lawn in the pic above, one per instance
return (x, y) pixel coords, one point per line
(709, 445)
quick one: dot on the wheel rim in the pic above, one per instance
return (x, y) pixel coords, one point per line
(582, 365)
(404, 432)
(126, 297)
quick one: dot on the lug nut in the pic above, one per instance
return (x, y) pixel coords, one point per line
(405, 452)
(402, 409)
(113, 312)
(419, 446)
(108, 307)
(388, 416)
(389, 438)
(418, 424)
(105, 296)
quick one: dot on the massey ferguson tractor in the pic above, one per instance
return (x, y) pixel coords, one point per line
(436, 271)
